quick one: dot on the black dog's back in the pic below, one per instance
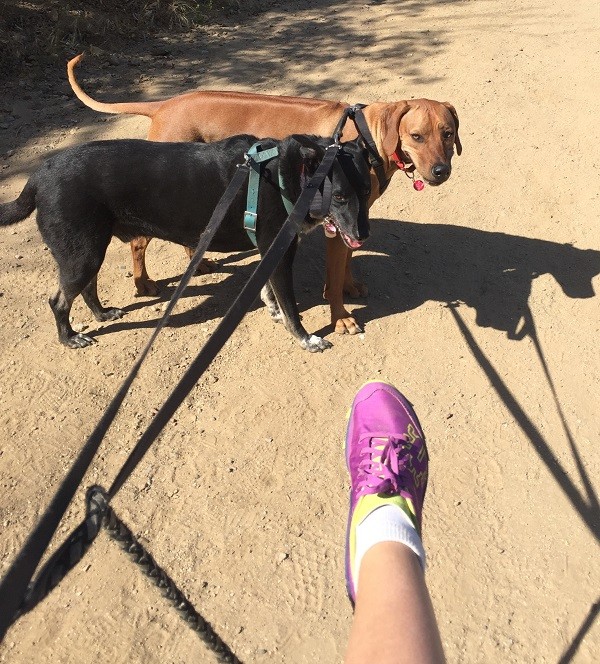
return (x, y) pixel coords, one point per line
(133, 185)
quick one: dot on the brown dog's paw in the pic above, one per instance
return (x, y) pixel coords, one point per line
(347, 325)
(356, 289)
(146, 288)
(207, 266)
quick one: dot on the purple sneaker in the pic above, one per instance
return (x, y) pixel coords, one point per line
(387, 460)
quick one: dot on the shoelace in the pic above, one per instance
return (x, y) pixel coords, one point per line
(382, 464)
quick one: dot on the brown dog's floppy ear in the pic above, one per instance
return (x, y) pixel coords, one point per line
(455, 118)
(391, 127)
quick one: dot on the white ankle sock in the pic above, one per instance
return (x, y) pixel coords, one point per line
(387, 523)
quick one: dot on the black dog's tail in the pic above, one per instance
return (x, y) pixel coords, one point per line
(12, 213)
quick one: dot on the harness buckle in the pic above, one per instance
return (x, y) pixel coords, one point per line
(250, 221)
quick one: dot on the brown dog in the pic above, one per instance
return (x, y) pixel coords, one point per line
(421, 132)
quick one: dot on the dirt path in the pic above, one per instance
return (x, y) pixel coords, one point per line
(243, 499)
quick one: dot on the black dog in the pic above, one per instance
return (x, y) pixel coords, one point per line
(126, 188)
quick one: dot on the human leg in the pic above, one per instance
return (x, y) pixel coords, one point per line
(394, 621)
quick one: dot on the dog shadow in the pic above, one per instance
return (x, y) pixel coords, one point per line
(406, 264)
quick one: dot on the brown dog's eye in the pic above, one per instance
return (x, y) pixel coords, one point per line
(417, 137)
(448, 134)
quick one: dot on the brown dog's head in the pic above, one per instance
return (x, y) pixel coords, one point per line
(422, 133)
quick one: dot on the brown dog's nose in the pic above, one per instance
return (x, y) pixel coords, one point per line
(440, 171)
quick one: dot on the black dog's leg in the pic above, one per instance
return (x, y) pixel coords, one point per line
(282, 285)
(270, 301)
(61, 308)
(78, 271)
(90, 296)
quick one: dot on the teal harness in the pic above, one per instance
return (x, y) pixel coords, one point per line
(256, 157)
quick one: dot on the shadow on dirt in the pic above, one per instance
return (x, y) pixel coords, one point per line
(299, 45)
(406, 264)
(491, 272)
(586, 626)
(409, 264)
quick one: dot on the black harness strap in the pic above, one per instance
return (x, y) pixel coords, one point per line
(230, 321)
(13, 588)
(356, 114)
(374, 157)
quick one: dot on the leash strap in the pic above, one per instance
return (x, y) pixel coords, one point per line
(230, 321)
(322, 201)
(14, 585)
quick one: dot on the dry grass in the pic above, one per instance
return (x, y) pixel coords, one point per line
(34, 30)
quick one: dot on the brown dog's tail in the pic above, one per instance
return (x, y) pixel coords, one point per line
(15, 211)
(147, 108)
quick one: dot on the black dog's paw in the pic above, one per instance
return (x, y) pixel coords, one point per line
(275, 314)
(111, 314)
(79, 341)
(315, 344)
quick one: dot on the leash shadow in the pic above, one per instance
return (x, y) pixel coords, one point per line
(406, 264)
(217, 298)
(587, 624)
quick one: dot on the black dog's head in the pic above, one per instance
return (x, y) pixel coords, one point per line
(350, 182)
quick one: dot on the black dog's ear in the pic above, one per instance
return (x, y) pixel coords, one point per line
(299, 156)
(310, 158)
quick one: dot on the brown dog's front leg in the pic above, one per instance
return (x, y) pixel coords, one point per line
(352, 287)
(337, 265)
(143, 284)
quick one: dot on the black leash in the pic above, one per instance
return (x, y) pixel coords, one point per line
(356, 114)
(14, 586)
(14, 583)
